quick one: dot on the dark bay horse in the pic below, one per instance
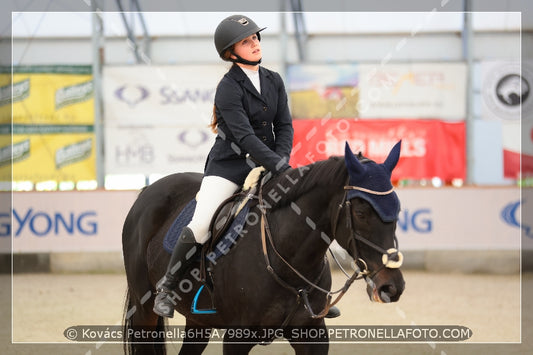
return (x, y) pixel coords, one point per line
(277, 274)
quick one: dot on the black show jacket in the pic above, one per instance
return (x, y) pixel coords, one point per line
(250, 123)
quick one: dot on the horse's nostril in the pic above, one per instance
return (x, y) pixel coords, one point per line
(388, 291)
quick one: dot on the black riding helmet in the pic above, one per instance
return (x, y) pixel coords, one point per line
(233, 29)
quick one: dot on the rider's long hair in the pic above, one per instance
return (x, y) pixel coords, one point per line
(213, 124)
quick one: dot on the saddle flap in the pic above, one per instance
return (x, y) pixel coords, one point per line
(223, 217)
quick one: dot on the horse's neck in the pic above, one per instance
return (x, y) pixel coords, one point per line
(307, 219)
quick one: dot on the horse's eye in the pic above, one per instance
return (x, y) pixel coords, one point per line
(359, 214)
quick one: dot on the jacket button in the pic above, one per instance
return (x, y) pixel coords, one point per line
(264, 138)
(264, 123)
(265, 108)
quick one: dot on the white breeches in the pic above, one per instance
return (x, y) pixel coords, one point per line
(213, 191)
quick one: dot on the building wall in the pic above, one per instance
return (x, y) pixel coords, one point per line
(321, 48)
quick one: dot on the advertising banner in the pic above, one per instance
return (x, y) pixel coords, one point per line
(430, 219)
(161, 150)
(461, 219)
(430, 148)
(318, 91)
(505, 96)
(5, 96)
(146, 95)
(53, 124)
(53, 95)
(505, 88)
(157, 117)
(67, 221)
(55, 156)
(5, 124)
(415, 90)
(410, 91)
(518, 148)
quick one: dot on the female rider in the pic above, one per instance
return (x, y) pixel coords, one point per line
(254, 128)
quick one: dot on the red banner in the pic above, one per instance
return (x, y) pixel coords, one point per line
(430, 148)
(518, 153)
(511, 164)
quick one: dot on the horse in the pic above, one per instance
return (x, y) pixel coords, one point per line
(277, 274)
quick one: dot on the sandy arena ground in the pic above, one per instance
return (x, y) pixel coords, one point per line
(44, 305)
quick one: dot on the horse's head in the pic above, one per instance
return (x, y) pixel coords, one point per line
(368, 224)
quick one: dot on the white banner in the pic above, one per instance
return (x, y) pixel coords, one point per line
(156, 117)
(144, 95)
(45, 222)
(418, 90)
(430, 219)
(464, 219)
(504, 86)
(161, 150)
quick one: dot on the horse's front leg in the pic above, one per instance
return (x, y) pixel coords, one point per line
(195, 340)
(310, 340)
(235, 343)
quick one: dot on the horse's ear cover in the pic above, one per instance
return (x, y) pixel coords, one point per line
(352, 163)
(374, 177)
(394, 156)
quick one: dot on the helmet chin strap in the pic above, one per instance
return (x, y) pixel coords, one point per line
(244, 61)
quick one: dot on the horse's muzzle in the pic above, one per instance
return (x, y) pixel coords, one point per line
(386, 291)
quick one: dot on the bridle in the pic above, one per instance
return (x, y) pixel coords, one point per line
(391, 258)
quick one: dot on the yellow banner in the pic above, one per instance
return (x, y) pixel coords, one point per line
(334, 102)
(53, 97)
(5, 97)
(59, 157)
(53, 124)
(5, 123)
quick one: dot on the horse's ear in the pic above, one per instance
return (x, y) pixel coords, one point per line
(352, 163)
(394, 156)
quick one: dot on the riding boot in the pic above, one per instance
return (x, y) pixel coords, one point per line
(333, 312)
(182, 256)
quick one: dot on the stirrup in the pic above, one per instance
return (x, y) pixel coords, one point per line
(195, 310)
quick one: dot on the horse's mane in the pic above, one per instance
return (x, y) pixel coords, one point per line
(298, 181)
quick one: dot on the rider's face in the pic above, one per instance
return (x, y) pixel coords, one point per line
(249, 48)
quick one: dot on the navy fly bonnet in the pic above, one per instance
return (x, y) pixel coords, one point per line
(371, 182)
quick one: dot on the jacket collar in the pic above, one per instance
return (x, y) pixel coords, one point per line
(239, 75)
